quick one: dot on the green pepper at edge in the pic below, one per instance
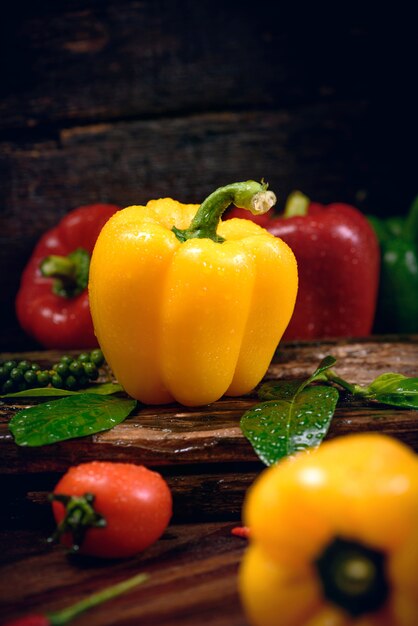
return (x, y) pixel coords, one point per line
(397, 308)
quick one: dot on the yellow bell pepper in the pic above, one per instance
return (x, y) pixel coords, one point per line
(334, 537)
(186, 307)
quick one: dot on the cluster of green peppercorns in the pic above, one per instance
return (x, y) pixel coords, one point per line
(71, 372)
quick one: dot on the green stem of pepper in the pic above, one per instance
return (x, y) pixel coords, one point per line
(353, 576)
(249, 195)
(296, 205)
(70, 273)
(60, 618)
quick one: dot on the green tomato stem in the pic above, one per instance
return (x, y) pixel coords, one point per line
(60, 618)
(249, 195)
(80, 515)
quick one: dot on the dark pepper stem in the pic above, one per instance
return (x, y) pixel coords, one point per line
(353, 576)
(70, 273)
(249, 195)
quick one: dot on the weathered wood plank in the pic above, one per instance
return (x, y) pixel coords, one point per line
(186, 158)
(200, 493)
(175, 435)
(133, 443)
(192, 572)
(95, 61)
(193, 567)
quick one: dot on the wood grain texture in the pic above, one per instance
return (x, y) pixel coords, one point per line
(92, 60)
(192, 581)
(208, 466)
(176, 435)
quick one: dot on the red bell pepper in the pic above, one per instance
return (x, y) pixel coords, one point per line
(338, 262)
(52, 302)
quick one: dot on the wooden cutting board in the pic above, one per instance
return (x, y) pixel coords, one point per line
(201, 451)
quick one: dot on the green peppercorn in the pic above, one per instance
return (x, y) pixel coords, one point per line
(43, 378)
(66, 359)
(30, 378)
(96, 357)
(35, 367)
(62, 369)
(83, 357)
(91, 371)
(71, 383)
(24, 365)
(8, 386)
(57, 381)
(76, 368)
(16, 374)
(8, 366)
(3, 374)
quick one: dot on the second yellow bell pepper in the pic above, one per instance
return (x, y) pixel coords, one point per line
(334, 537)
(186, 307)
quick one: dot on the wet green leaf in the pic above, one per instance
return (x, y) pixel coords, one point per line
(393, 389)
(285, 389)
(279, 389)
(102, 389)
(279, 428)
(68, 418)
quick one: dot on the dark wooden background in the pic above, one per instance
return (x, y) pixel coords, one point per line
(125, 100)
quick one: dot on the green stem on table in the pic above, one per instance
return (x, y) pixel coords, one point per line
(60, 618)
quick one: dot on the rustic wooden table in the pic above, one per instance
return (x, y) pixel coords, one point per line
(208, 465)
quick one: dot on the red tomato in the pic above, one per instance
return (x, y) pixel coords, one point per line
(135, 502)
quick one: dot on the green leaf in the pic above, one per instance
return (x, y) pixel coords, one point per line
(103, 389)
(393, 389)
(279, 389)
(68, 418)
(279, 428)
(284, 389)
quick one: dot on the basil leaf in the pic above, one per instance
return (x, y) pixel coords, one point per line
(284, 389)
(68, 418)
(394, 389)
(279, 428)
(102, 389)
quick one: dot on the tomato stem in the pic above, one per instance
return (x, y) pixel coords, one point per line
(80, 515)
